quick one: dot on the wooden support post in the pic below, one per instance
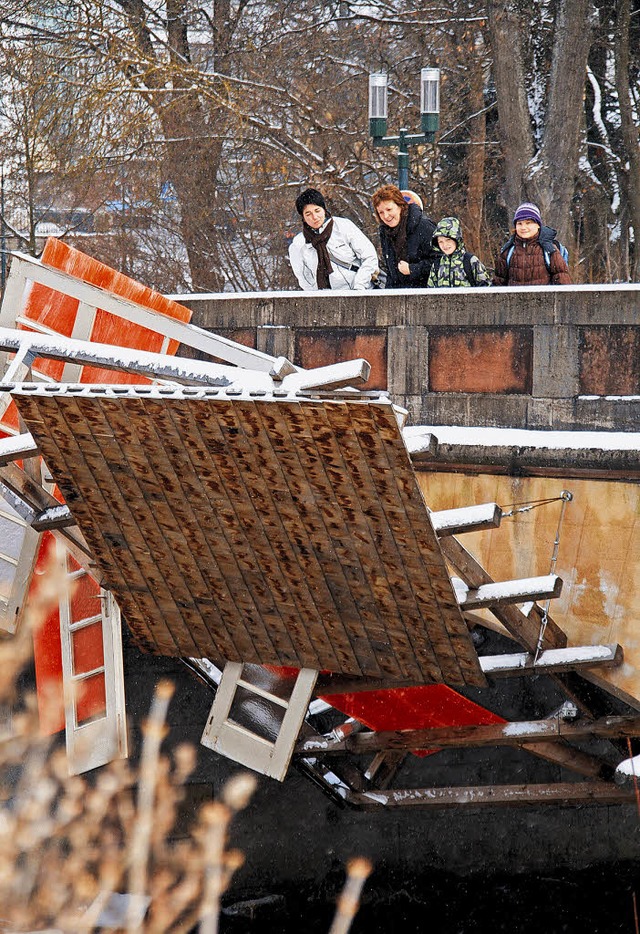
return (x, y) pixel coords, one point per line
(495, 795)
(493, 734)
(524, 629)
(503, 593)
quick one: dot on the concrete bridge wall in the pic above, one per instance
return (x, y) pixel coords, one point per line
(539, 358)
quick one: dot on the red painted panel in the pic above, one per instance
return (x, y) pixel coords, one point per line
(85, 599)
(317, 347)
(47, 651)
(416, 708)
(87, 648)
(91, 703)
(495, 360)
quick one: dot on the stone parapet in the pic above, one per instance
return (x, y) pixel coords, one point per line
(543, 358)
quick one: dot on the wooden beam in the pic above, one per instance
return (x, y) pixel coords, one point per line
(55, 517)
(493, 734)
(336, 376)
(550, 662)
(525, 629)
(25, 488)
(122, 359)
(177, 369)
(384, 767)
(34, 499)
(468, 519)
(17, 448)
(495, 795)
(553, 661)
(502, 593)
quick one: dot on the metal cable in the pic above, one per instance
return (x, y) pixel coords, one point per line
(566, 497)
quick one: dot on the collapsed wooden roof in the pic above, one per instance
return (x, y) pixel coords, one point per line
(257, 528)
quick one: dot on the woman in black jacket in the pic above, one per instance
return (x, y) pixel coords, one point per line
(406, 239)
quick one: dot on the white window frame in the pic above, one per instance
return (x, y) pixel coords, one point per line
(240, 744)
(12, 606)
(95, 742)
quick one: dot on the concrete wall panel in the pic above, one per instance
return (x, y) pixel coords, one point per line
(609, 359)
(480, 360)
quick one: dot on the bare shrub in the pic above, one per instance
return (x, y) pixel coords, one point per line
(72, 848)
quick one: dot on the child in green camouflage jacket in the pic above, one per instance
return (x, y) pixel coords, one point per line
(453, 267)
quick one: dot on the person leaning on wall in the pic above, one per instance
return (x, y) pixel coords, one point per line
(531, 255)
(330, 252)
(405, 239)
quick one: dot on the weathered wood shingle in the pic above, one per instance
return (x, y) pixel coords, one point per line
(276, 530)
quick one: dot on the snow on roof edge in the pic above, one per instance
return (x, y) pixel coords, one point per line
(415, 437)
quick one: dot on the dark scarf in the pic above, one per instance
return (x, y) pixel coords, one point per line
(319, 242)
(398, 236)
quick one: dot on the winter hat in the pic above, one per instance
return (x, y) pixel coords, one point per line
(309, 196)
(528, 212)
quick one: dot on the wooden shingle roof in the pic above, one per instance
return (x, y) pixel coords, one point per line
(268, 528)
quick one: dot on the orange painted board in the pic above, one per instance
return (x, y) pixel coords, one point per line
(58, 312)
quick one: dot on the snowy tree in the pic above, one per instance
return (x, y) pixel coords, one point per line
(212, 118)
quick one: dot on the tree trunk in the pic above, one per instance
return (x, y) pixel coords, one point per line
(505, 29)
(476, 151)
(629, 130)
(192, 162)
(193, 133)
(548, 175)
(552, 175)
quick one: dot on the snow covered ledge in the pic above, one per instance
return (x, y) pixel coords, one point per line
(507, 450)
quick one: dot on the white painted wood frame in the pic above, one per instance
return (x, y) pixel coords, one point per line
(97, 741)
(236, 742)
(18, 550)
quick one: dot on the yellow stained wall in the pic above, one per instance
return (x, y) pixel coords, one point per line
(598, 557)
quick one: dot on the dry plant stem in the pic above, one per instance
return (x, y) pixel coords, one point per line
(153, 732)
(216, 817)
(357, 872)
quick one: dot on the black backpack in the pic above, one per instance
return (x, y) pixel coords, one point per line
(469, 269)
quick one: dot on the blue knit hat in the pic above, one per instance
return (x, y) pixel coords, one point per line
(528, 212)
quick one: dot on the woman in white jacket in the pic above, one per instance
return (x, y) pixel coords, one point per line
(330, 253)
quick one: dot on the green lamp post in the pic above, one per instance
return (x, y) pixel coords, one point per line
(429, 120)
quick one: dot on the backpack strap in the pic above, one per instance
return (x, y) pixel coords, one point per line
(510, 254)
(469, 269)
(507, 252)
(352, 267)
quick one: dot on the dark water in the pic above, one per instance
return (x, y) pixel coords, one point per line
(597, 901)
